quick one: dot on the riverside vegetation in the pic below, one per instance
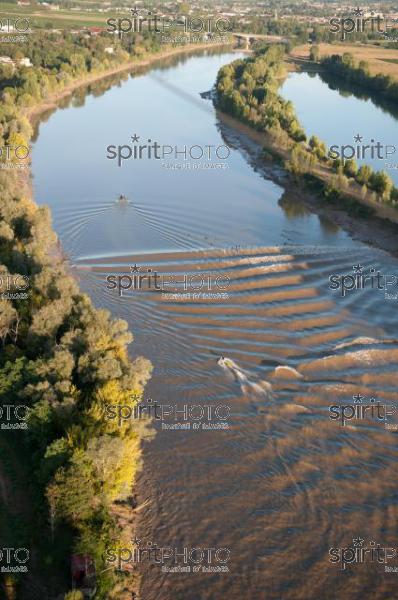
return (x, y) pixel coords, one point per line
(63, 358)
(248, 90)
(358, 73)
(60, 357)
(58, 59)
(71, 471)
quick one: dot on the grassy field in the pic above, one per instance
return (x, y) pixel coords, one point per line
(60, 19)
(381, 60)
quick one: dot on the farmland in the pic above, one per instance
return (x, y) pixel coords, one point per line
(380, 60)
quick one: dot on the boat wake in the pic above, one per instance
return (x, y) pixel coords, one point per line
(245, 379)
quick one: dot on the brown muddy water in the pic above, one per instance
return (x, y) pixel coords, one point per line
(280, 484)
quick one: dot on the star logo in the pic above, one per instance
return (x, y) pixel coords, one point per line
(358, 398)
(135, 138)
(358, 268)
(358, 138)
(358, 12)
(135, 269)
(134, 11)
(136, 541)
(358, 542)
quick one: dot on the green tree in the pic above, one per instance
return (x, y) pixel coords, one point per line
(73, 490)
(317, 147)
(315, 53)
(350, 168)
(74, 595)
(364, 174)
(381, 183)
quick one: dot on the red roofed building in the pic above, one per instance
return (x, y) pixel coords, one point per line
(96, 30)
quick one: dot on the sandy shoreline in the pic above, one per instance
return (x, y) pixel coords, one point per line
(379, 230)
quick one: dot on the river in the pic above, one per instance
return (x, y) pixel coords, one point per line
(284, 483)
(337, 113)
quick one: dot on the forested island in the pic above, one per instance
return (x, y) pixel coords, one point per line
(248, 90)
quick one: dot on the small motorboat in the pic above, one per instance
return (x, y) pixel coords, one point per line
(122, 200)
(226, 362)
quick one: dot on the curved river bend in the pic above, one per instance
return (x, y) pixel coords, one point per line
(284, 483)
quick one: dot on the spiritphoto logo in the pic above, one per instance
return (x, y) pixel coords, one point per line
(362, 150)
(14, 416)
(14, 29)
(14, 286)
(361, 553)
(151, 280)
(20, 25)
(195, 39)
(14, 157)
(172, 416)
(151, 21)
(361, 280)
(171, 559)
(364, 409)
(14, 560)
(152, 150)
(363, 21)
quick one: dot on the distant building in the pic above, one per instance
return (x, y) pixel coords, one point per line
(6, 60)
(25, 62)
(109, 50)
(373, 14)
(95, 30)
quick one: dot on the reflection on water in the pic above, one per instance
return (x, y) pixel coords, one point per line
(345, 113)
(284, 483)
(345, 89)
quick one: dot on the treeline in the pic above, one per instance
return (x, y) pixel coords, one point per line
(248, 90)
(58, 60)
(358, 73)
(290, 28)
(65, 360)
(60, 356)
(323, 34)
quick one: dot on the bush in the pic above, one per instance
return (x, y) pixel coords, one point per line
(75, 595)
(350, 168)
